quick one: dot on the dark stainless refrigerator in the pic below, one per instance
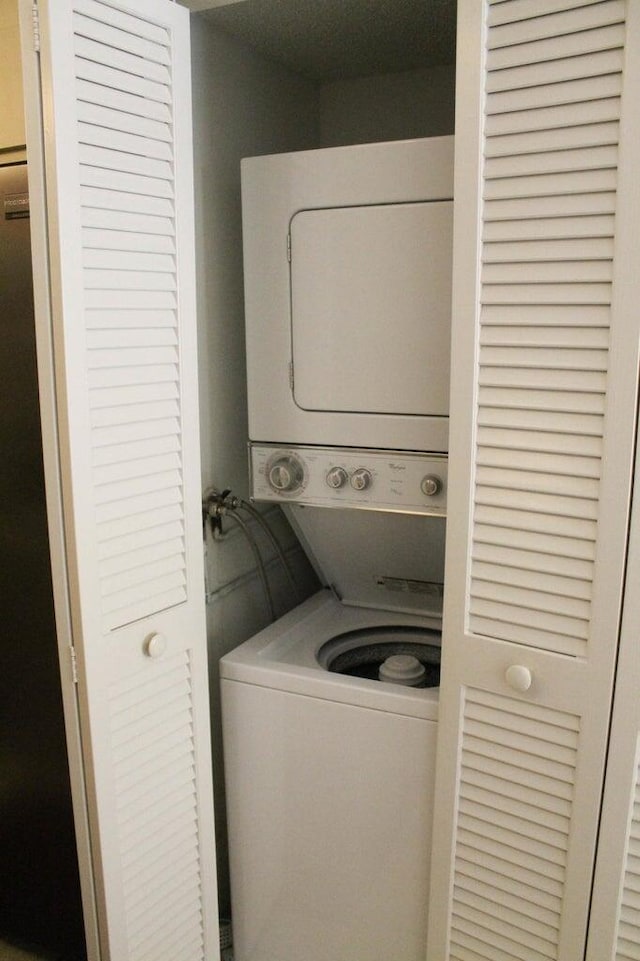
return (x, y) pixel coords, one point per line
(39, 888)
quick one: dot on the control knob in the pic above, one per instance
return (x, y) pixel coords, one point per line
(285, 474)
(431, 485)
(361, 479)
(337, 477)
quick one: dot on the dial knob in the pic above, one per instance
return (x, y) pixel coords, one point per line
(337, 477)
(430, 485)
(285, 474)
(361, 479)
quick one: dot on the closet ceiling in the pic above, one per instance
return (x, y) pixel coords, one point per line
(335, 39)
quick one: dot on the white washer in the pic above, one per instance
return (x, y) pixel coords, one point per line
(329, 776)
(329, 797)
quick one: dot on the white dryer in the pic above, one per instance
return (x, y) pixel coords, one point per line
(329, 770)
(347, 257)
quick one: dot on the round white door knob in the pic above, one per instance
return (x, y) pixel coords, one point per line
(155, 645)
(518, 677)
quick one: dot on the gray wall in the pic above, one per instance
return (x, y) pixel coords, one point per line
(242, 105)
(395, 106)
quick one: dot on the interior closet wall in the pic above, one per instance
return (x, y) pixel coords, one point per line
(392, 106)
(242, 105)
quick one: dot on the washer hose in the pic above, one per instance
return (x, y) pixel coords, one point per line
(258, 559)
(257, 516)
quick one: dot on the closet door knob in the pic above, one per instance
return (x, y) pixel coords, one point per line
(518, 677)
(155, 645)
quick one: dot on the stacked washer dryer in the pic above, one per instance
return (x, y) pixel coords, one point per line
(330, 714)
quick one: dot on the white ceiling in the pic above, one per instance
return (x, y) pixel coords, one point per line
(333, 39)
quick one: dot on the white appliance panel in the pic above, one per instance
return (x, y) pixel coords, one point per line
(321, 395)
(319, 871)
(325, 477)
(371, 308)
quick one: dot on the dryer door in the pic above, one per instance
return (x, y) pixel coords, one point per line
(370, 308)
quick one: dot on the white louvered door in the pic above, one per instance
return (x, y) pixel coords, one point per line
(545, 349)
(614, 923)
(117, 155)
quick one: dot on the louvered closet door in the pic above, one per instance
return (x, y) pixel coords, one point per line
(545, 348)
(614, 923)
(117, 146)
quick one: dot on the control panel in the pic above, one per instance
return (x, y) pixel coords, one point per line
(350, 477)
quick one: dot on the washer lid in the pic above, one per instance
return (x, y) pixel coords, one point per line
(376, 559)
